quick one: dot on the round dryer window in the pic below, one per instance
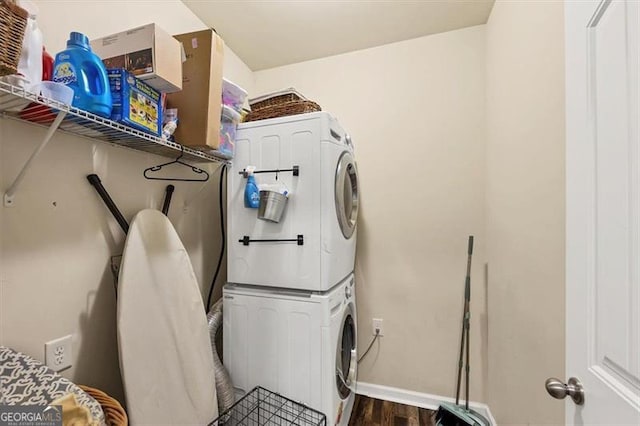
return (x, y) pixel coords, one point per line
(346, 356)
(347, 194)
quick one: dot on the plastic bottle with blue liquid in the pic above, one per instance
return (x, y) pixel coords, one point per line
(251, 191)
(82, 70)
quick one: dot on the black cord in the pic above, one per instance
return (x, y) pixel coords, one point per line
(224, 238)
(370, 345)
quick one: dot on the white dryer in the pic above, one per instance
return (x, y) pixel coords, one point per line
(313, 246)
(299, 344)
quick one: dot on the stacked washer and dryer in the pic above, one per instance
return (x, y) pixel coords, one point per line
(289, 304)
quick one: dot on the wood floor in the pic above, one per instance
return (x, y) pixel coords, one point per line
(375, 412)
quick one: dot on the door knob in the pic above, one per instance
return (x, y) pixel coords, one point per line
(559, 390)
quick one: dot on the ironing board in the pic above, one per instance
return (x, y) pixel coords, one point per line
(165, 352)
(27, 381)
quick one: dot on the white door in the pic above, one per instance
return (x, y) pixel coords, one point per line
(603, 211)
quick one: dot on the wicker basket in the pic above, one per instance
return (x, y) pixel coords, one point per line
(276, 100)
(283, 109)
(13, 21)
(114, 414)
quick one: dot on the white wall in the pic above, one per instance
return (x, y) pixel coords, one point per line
(415, 110)
(104, 17)
(525, 209)
(58, 239)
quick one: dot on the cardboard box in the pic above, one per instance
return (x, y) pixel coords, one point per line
(148, 52)
(135, 103)
(199, 102)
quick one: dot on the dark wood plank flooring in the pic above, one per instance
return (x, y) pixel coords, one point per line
(375, 412)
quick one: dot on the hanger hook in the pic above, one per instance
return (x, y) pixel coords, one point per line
(181, 151)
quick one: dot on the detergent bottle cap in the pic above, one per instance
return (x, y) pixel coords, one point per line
(78, 39)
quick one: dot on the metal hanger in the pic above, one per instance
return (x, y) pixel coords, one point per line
(203, 175)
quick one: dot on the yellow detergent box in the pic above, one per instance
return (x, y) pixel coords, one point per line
(135, 103)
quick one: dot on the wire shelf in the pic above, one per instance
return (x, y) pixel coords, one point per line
(42, 111)
(261, 407)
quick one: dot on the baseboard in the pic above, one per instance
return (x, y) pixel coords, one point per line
(417, 399)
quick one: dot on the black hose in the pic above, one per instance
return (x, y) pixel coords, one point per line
(224, 238)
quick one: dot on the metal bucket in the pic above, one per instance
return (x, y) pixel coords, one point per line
(272, 206)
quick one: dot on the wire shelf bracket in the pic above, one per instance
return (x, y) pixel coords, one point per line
(10, 194)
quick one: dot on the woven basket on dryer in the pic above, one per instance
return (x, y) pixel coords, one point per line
(283, 109)
(279, 104)
(114, 414)
(13, 22)
(277, 98)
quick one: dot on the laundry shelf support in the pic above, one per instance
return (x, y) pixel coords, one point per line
(9, 195)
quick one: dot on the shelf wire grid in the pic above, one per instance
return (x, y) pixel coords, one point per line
(261, 407)
(20, 104)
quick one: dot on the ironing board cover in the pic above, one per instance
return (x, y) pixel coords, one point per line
(165, 352)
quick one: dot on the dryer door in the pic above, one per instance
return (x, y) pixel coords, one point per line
(346, 356)
(347, 194)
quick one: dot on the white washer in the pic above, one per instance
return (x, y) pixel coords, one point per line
(322, 206)
(299, 344)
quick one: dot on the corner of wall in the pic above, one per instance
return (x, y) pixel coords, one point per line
(525, 208)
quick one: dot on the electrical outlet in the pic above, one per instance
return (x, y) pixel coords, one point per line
(58, 353)
(377, 325)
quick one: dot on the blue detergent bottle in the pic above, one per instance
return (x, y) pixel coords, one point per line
(82, 70)
(251, 192)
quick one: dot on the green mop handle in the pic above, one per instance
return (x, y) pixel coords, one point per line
(467, 296)
(467, 281)
(467, 317)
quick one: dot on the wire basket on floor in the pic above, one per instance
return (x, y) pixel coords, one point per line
(261, 407)
(13, 21)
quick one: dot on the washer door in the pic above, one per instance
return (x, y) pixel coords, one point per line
(347, 194)
(346, 356)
